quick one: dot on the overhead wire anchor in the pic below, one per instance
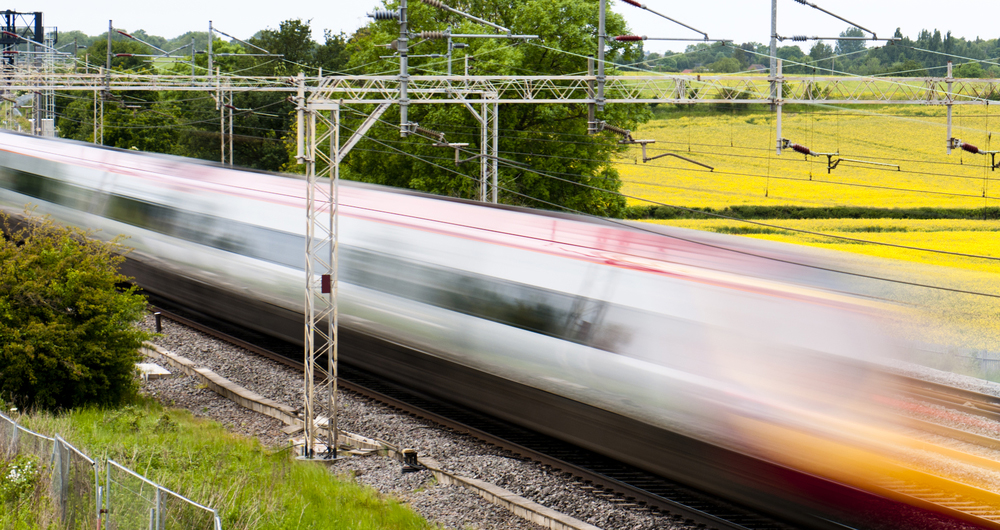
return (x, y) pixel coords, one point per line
(633, 38)
(447, 34)
(643, 6)
(628, 140)
(441, 5)
(439, 141)
(955, 143)
(831, 164)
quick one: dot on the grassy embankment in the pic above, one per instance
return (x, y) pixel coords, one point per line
(250, 486)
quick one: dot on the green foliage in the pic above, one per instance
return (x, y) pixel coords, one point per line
(907, 68)
(98, 52)
(850, 46)
(18, 479)
(24, 504)
(187, 124)
(971, 70)
(820, 51)
(726, 65)
(67, 335)
(532, 136)
(251, 486)
(293, 39)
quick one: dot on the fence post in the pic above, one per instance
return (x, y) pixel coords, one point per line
(59, 476)
(99, 496)
(159, 506)
(107, 492)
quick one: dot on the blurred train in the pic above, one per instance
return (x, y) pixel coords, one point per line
(719, 363)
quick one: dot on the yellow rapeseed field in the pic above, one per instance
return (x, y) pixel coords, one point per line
(964, 236)
(741, 148)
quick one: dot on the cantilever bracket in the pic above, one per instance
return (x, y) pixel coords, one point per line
(648, 158)
(955, 143)
(458, 149)
(831, 164)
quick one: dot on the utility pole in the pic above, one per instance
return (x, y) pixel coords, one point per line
(600, 56)
(774, 50)
(404, 76)
(211, 35)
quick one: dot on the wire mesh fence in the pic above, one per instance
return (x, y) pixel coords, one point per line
(136, 502)
(126, 501)
(75, 486)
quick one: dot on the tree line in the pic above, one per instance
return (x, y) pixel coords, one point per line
(547, 158)
(925, 56)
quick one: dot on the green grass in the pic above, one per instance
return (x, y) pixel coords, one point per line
(250, 485)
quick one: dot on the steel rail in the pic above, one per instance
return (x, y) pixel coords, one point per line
(935, 498)
(595, 480)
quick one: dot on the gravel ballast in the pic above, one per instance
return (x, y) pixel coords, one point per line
(449, 506)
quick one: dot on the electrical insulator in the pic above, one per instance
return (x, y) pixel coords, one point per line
(636, 4)
(428, 132)
(801, 149)
(799, 38)
(970, 148)
(433, 35)
(803, 2)
(624, 133)
(626, 38)
(384, 15)
(434, 3)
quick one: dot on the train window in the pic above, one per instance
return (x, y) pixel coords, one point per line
(527, 307)
(44, 188)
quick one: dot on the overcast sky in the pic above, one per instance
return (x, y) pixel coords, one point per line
(740, 20)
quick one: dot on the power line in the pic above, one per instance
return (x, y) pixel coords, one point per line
(702, 243)
(507, 163)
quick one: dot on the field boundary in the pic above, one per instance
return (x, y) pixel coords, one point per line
(808, 212)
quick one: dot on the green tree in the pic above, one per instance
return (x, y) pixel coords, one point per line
(845, 46)
(332, 55)
(548, 139)
(970, 70)
(132, 120)
(123, 53)
(293, 40)
(820, 51)
(907, 68)
(726, 65)
(67, 334)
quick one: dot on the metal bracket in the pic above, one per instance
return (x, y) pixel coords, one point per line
(675, 155)
(955, 143)
(831, 164)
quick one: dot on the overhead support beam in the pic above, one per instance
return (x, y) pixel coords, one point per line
(360, 132)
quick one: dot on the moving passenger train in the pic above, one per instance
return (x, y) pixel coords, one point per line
(708, 359)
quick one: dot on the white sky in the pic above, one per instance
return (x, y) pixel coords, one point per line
(740, 20)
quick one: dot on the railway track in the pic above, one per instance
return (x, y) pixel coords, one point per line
(605, 477)
(961, 400)
(631, 486)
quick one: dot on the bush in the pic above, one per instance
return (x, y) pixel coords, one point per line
(67, 334)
